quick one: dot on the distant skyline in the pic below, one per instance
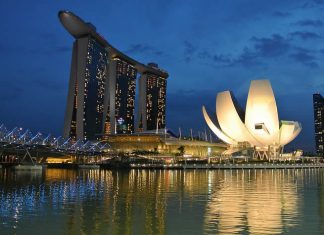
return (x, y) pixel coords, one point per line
(206, 47)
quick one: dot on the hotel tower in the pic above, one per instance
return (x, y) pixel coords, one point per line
(101, 95)
(318, 103)
(152, 89)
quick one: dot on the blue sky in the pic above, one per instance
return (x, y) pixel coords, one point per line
(206, 46)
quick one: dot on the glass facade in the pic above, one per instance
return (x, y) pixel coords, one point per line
(94, 89)
(74, 113)
(107, 129)
(155, 101)
(318, 103)
(87, 90)
(125, 96)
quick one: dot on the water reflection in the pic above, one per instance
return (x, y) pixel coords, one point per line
(161, 202)
(256, 201)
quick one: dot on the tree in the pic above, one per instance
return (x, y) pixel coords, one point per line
(181, 150)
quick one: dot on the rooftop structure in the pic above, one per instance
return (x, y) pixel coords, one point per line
(79, 28)
(258, 127)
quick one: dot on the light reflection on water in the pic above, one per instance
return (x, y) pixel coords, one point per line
(162, 202)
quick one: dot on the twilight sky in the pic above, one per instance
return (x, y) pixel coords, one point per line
(206, 46)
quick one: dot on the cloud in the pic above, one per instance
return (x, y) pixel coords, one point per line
(262, 48)
(142, 48)
(305, 35)
(247, 58)
(189, 50)
(274, 46)
(224, 59)
(308, 22)
(319, 2)
(250, 55)
(138, 48)
(304, 56)
(204, 54)
(281, 14)
(312, 4)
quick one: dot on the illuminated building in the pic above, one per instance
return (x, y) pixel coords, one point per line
(122, 96)
(152, 102)
(258, 127)
(318, 103)
(101, 96)
(163, 144)
(86, 88)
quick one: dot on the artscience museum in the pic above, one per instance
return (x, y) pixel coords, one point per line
(257, 128)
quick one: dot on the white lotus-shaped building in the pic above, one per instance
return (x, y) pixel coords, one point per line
(258, 127)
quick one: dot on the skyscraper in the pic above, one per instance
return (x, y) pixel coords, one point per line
(86, 89)
(318, 103)
(122, 95)
(152, 103)
(101, 96)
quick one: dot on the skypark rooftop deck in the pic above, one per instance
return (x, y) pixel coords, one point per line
(79, 28)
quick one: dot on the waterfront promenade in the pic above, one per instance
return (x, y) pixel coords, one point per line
(229, 166)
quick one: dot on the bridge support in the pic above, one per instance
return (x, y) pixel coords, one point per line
(27, 154)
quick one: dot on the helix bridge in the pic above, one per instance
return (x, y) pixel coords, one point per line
(20, 145)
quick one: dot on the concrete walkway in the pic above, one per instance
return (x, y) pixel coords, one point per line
(229, 166)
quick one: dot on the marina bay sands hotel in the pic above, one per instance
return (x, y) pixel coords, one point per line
(101, 96)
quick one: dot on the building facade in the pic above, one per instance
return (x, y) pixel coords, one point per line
(101, 96)
(318, 103)
(152, 102)
(86, 89)
(164, 145)
(122, 82)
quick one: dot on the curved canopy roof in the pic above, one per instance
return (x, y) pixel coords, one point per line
(216, 130)
(229, 119)
(261, 117)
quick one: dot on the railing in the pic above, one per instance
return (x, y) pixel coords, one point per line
(228, 166)
(20, 139)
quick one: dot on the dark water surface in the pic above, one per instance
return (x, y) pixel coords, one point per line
(162, 202)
